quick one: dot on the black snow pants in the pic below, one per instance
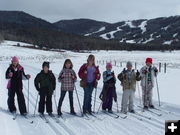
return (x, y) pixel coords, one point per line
(20, 99)
(45, 99)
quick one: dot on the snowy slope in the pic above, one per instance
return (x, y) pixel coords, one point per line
(105, 125)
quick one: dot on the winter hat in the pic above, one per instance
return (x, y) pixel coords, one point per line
(129, 64)
(45, 64)
(15, 59)
(150, 60)
(108, 65)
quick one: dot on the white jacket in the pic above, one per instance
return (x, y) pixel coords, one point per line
(144, 77)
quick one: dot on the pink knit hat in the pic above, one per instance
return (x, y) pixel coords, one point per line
(15, 59)
(108, 65)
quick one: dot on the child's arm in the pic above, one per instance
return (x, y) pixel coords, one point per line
(60, 76)
(120, 77)
(74, 76)
(9, 74)
(143, 72)
(25, 77)
(114, 76)
(138, 77)
(98, 73)
(36, 82)
(155, 71)
(54, 81)
(82, 72)
(115, 95)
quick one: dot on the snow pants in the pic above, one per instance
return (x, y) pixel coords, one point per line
(20, 99)
(147, 95)
(108, 101)
(45, 99)
(127, 97)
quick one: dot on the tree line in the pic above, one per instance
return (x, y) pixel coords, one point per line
(51, 38)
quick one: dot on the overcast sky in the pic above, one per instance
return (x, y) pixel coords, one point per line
(103, 10)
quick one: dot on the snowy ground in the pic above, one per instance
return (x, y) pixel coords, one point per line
(32, 60)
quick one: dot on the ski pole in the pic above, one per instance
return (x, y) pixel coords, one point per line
(78, 100)
(158, 91)
(99, 107)
(28, 95)
(36, 105)
(95, 99)
(55, 101)
(145, 93)
(139, 94)
(117, 107)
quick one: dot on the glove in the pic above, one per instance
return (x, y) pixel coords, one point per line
(137, 73)
(10, 74)
(63, 75)
(145, 71)
(28, 76)
(108, 75)
(85, 71)
(155, 70)
(72, 76)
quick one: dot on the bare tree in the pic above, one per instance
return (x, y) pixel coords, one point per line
(1, 38)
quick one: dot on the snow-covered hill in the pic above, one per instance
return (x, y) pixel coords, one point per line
(163, 30)
(102, 125)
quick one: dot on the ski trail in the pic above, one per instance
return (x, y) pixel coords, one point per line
(149, 122)
(64, 126)
(20, 125)
(52, 123)
(66, 129)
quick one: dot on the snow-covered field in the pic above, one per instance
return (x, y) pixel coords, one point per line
(133, 125)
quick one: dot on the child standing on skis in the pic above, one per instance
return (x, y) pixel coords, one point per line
(109, 89)
(128, 78)
(67, 77)
(148, 74)
(89, 74)
(45, 83)
(15, 74)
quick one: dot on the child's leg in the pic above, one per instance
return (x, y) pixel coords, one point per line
(71, 100)
(110, 99)
(41, 102)
(149, 95)
(49, 103)
(104, 98)
(85, 103)
(63, 93)
(87, 97)
(21, 101)
(104, 104)
(125, 99)
(91, 88)
(11, 103)
(131, 100)
(144, 96)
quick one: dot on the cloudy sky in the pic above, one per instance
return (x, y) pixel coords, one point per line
(103, 10)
